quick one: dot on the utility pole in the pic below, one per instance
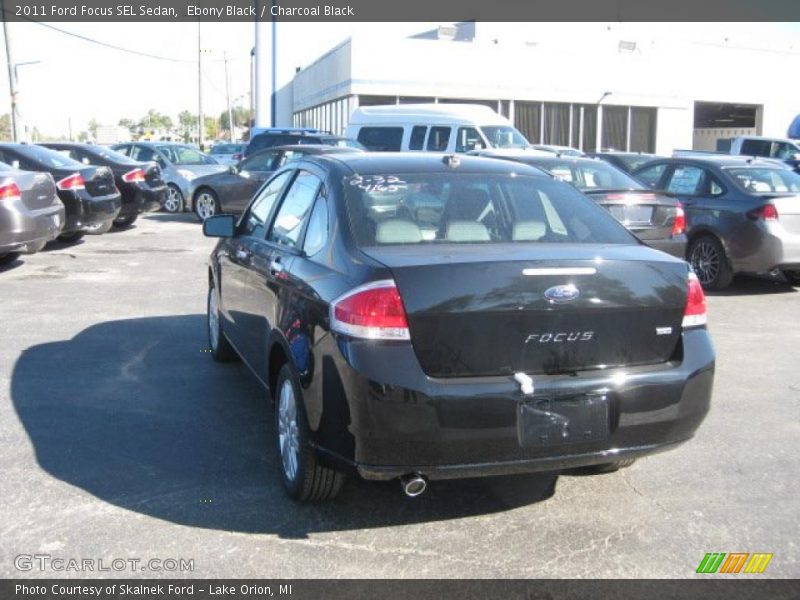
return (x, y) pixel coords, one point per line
(200, 120)
(69, 126)
(228, 97)
(12, 79)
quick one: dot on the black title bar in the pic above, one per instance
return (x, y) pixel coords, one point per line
(402, 10)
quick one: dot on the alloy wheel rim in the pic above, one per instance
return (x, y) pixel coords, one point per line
(705, 262)
(206, 207)
(172, 200)
(288, 432)
(213, 319)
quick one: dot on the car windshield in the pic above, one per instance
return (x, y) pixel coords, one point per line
(51, 158)
(504, 136)
(435, 208)
(590, 176)
(227, 149)
(761, 180)
(184, 155)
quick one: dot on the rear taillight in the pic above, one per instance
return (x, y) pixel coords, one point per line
(695, 313)
(72, 182)
(137, 175)
(768, 212)
(9, 190)
(679, 224)
(374, 311)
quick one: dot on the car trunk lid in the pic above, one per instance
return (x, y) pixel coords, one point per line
(493, 310)
(650, 216)
(99, 181)
(38, 190)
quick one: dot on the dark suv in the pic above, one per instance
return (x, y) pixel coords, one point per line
(288, 137)
(425, 316)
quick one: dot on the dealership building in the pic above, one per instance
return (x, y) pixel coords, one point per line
(603, 86)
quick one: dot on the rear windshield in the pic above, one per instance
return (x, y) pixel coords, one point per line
(634, 162)
(227, 149)
(766, 180)
(111, 155)
(48, 157)
(185, 155)
(431, 208)
(590, 176)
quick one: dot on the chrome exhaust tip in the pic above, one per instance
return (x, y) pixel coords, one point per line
(413, 485)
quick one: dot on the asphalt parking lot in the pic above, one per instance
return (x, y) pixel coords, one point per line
(121, 438)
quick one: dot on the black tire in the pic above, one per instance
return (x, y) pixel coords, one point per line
(613, 466)
(793, 277)
(710, 262)
(174, 202)
(205, 204)
(8, 258)
(123, 222)
(70, 238)
(219, 346)
(310, 481)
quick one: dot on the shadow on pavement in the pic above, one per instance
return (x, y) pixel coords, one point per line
(753, 285)
(137, 414)
(184, 217)
(9, 264)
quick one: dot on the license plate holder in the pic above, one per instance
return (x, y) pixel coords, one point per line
(545, 421)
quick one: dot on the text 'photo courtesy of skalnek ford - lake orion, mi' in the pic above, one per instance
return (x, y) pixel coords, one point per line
(288, 298)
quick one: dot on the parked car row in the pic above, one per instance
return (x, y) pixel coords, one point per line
(64, 191)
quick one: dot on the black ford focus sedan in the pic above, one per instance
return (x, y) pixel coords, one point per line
(425, 317)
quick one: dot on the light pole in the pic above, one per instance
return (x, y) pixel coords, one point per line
(599, 137)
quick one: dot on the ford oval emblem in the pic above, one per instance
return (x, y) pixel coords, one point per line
(562, 293)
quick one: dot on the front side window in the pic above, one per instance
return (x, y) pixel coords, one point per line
(184, 155)
(467, 139)
(435, 208)
(756, 147)
(255, 219)
(504, 136)
(294, 210)
(651, 176)
(381, 139)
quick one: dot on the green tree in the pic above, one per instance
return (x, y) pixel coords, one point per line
(241, 116)
(83, 136)
(212, 128)
(5, 127)
(129, 124)
(187, 125)
(93, 125)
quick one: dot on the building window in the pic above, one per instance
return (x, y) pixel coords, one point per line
(643, 129)
(615, 128)
(589, 128)
(528, 119)
(556, 124)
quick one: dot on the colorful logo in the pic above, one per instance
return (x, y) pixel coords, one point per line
(734, 562)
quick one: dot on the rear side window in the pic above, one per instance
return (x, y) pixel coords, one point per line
(294, 210)
(438, 139)
(433, 208)
(417, 141)
(381, 139)
(686, 180)
(756, 147)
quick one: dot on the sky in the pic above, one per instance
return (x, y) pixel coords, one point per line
(77, 80)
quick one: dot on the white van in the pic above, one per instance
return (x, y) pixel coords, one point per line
(432, 128)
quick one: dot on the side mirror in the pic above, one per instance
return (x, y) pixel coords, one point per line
(220, 226)
(233, 170)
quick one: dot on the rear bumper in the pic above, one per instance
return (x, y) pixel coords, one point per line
(674, 246)
(86, 212)
(23, 230)
(138, 199)
(397, 420)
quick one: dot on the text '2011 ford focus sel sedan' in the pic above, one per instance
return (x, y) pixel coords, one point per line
(428, 317)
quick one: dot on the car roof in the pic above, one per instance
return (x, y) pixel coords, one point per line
(454, 113)
(620, 153)
(311, 149)
(539, 156)
(719, 160)
(373, 163)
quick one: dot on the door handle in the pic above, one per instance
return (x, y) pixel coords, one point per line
(243, 254)
(276, 267)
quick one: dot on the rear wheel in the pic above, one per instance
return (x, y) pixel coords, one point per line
(8, 258)
(793, 277)
(710, 262)
(304, 479)
(174, 202)
(221, 349)
(206, 204)
(613, 466)
(71, 237)
(122, 222)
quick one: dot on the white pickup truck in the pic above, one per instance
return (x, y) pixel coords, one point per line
(782, 149)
